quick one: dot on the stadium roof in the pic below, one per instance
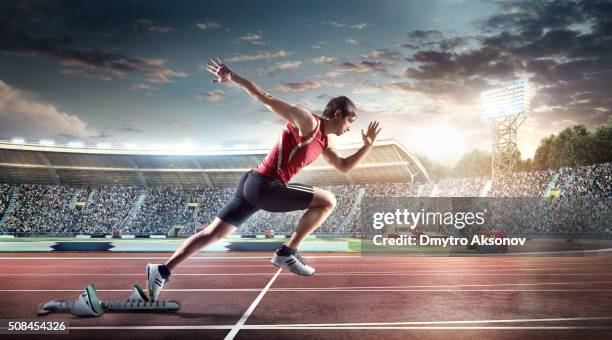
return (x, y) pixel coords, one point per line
(388, 161)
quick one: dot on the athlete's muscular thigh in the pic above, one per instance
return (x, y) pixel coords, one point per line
(323, 198)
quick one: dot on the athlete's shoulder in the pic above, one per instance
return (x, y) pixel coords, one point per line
(316, 120)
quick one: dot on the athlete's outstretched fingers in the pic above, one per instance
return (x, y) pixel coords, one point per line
(214, 66)
(211, 70)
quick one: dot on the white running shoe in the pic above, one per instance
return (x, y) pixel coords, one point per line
(295, 263)
(155, 281)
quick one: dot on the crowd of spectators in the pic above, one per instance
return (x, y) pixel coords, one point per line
(161, 208)
(106, 209)
(521, 184)
(6, 191)
(461, 187)
(38, 209)
(52, 208)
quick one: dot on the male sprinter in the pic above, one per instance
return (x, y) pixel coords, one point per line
(302, 140)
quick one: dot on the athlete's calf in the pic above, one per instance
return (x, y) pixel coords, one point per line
(322, 205)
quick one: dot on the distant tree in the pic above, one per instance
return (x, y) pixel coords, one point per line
(540, 160)
(525, 165)
(474, 163)
(436, 170)
(575, 146)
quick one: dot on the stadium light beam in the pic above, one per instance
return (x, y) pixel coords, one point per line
(76, 144)
(505, 109)
(18, 140)
(507, 101)
(46, 142)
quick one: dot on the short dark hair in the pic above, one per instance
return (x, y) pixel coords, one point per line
(342, 102)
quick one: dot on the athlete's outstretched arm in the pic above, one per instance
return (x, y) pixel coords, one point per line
(298, 116)
(346, 164)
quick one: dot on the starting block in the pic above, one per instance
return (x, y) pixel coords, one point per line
(88, 304)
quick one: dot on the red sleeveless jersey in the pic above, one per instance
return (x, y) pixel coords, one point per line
(292, 152)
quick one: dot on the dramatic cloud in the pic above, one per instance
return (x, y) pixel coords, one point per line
(146, 25)
(253, 38)
(323, 60)
(83, 73)
(382, 53)
(563, 47)
(299, 87)
(143, 87)
(351, 41)
(208, 25)
(22, 33)
(356, 26)
(265, 55)
(162, 76)
(364, 66)
(433, 39)
(284, 65)
(22, 115)
(337, 84)
(319, 44)
(214, 96)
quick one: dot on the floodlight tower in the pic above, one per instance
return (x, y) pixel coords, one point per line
(506, 109)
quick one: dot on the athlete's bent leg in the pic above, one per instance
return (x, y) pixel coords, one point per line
(159, 274)
(217, 230)
(322, 205)
(236, 211)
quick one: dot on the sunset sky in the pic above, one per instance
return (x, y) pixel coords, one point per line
(131, 72)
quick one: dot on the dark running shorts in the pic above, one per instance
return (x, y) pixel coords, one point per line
(256, 191)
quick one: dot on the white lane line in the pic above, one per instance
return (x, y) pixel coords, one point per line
(133, 266)
(442, 328)
(419, 258)
(149, 328)
(207, 258)
(448, 270)
(326, 274)
(382, 325)
(134, 274)
(324, 288)
(407, 323)
(345, 328)
(442, 290)
(294, 291)
(412, 265)
(455, 286)
(251, 308)
(179, 290)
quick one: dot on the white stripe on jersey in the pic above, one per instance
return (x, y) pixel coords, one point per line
(279, 158)
(306, 142)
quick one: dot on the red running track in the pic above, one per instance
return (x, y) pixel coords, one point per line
(242, 296)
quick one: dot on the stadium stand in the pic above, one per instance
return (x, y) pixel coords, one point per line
(59, 192)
